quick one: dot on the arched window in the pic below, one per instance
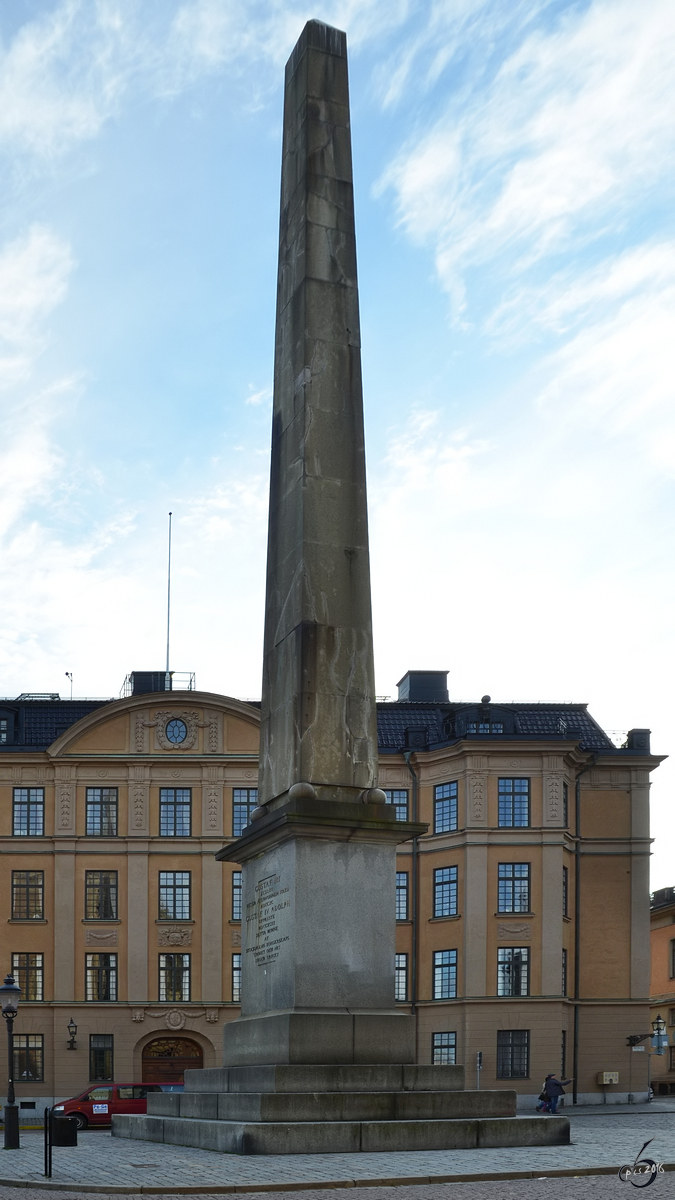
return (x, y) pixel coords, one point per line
(165, 1059)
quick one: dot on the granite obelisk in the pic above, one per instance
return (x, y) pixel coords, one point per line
(319, 856)
(319, 1060)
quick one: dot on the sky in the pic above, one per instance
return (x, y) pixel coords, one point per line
(514, 168)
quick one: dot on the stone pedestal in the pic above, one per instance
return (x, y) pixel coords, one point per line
(318, 880)
(338, 1109)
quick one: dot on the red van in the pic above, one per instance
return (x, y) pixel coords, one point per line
(97, 1105)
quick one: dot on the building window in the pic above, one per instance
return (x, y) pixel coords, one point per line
(564, 974)
(29, 1057)
(513, 887)
(236, 978)
(174, 895)
(445, 974)
(4, 731)
(401, 977)
(671, 1064)
(566, 811)
(443, 1049)
(174, 977)
(28, 970)
(100, 895)
(485, 727)
(174, 812)
(236, 896)
(513, 1053)
(399, 798)
(28, 895)
(563, 1054)
(401, 895)
(244, 800)
(514, 802)
(101, 977)
(101, 1047)
(672, 956)
(28, 812)
(565, 892)
(445, 892)
(445, 807)
(101, 812)
(671, 1016)
(513, 971)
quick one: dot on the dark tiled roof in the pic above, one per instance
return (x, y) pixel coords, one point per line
(394, 719)
(38, 723)
(565, 721)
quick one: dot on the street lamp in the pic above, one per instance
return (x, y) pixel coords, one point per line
(9, 997)
(659, 1026)
(72, 1030)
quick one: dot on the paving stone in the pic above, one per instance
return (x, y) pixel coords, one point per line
(100, 1160)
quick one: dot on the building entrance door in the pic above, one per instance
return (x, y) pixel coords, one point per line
(165, 1059)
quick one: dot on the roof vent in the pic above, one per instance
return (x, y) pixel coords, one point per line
(431, 686)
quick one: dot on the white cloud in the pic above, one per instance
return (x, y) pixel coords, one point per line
(260, 397)
(577, 124)
(34, 272)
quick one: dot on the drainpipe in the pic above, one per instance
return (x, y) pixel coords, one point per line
(577, 921)
(414, 905)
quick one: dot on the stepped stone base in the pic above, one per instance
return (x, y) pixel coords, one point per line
(330, 1108)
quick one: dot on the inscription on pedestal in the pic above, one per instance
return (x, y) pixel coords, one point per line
(268, 920)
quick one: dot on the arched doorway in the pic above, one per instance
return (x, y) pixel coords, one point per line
(165, 1059)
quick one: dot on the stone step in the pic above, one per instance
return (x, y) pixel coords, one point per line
(333, 1137)
(375, 1077)
(332, 1106)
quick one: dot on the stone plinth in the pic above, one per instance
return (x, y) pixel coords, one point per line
(328, 1110)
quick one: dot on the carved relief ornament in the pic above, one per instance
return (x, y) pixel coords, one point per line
(191, 721)
(174, 935)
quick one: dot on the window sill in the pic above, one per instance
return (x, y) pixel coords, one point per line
(27, 921)
(515, 914)
(101, 921)
(568, 919)
(454, 917)
(174, 921)
(234, 922)
(401, 921)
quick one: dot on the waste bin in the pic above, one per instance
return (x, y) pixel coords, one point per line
(64, 1131)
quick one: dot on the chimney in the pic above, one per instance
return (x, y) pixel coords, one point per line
(431, 686)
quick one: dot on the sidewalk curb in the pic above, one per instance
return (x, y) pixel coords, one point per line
(309, 1185)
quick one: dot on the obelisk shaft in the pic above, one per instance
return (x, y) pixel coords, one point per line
(318, 702)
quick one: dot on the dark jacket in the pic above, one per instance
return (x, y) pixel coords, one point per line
(553, 1087)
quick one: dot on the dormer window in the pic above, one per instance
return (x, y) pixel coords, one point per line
(485, 727)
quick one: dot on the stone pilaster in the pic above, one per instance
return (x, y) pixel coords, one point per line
(475, 918)
(212, 802)
(551, 920)
(137, 923)
(64, 923)
(639, 895)
(212, 930)
(65, 808)
(139, 801)
(476, 791)
(553, 778)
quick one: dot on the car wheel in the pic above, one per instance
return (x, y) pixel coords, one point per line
(81, 1120)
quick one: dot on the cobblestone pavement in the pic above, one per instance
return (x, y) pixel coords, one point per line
(588, 1187)
(102, 1162)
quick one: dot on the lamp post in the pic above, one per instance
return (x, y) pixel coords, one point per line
(72, 1030)
(9, 997)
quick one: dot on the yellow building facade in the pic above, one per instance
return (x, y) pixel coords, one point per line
(662, 989)
(522, 915)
